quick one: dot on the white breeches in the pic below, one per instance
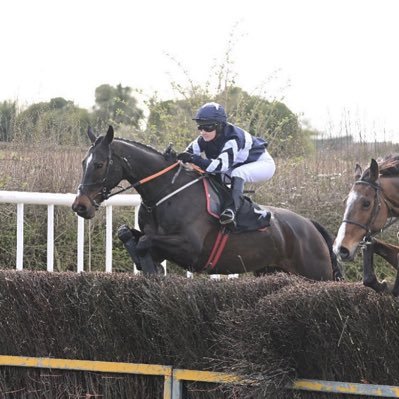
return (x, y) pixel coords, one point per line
(255, 172)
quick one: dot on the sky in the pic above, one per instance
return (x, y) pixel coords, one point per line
(334, 63)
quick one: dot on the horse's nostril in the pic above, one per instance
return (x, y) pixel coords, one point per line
(79, 208)
(344, 253)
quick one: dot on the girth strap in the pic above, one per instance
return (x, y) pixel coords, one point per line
(217, 250)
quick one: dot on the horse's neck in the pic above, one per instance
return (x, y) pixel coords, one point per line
(142, 163)
(390, 186)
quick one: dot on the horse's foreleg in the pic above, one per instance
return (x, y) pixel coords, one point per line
(139, 254)
(148, 265)
(143, 250)
(390, 253)
(387, 251)
(395, 289)
(369, 277)
(130, 240)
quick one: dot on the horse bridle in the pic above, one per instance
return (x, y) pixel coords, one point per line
(374, 212)
(106, 192)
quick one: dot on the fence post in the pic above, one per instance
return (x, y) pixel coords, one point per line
(108, 238)
(81, 242)
(177, 389)
(20, 236)
(50, 238)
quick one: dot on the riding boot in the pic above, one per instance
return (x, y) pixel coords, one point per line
(237, 189)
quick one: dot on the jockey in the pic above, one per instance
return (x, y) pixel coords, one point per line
(231, 151)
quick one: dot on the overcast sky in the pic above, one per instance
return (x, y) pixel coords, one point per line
(333, 62)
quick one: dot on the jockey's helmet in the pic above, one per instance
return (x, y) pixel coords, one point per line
(211, 113)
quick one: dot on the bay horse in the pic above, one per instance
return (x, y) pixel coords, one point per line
(371, 206)
(175, 224)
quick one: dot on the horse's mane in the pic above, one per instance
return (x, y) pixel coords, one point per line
(137, 144)
(388, 167)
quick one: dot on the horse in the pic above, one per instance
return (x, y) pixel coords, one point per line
(175, 223)
(371, 206)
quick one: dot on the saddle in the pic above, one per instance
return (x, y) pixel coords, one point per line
(250, 217)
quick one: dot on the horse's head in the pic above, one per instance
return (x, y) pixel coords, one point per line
(100, 175)
(365, 213)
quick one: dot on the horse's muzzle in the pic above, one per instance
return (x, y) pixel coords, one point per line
(344, 254)
(83, 207)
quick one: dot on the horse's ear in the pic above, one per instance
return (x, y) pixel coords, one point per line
(358, 171)
(169, 154)
(109, 136)
(374, 172)
(91, 135)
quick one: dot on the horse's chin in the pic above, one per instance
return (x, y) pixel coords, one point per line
(83, 207)
(350, 258)
(87, 215)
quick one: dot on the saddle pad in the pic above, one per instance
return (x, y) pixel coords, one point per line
(251, 216)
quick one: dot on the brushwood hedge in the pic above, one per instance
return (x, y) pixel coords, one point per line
(270, 330)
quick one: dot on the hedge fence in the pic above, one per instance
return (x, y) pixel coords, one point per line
(270, 330)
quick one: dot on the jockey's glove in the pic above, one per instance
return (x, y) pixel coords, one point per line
(185, 157)
(195, 159)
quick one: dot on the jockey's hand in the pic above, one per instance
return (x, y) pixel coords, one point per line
(185, 157)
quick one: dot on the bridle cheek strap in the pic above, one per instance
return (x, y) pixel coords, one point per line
(363, 226)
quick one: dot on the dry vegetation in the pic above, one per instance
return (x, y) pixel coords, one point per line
(314, 186)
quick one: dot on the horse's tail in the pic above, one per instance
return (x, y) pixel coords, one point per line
(329, 239)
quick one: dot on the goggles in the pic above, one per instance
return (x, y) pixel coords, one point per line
(207, 128)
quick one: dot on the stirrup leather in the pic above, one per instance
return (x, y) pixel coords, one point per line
(227, 216)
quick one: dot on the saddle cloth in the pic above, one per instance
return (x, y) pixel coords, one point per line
(251, 216)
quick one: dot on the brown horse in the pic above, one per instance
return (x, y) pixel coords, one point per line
(176, 225)
(371, 206)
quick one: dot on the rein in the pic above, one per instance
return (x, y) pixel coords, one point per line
(145, 180)
(106, 195)
(375, 211)
(160, 173)
(105, 192)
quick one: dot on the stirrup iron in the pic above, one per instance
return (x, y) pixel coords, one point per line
(227, 216)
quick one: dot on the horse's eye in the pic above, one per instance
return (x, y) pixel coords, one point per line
(98, 165)
(366, 203)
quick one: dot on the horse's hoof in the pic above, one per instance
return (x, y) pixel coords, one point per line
(124, 233)
(383, 286)
(376, 285)
(160, 269)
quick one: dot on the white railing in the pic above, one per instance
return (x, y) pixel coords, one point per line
(21, 198)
